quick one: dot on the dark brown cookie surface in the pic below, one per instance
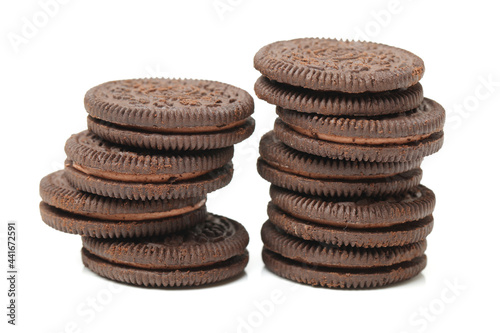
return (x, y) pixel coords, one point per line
(411, 151)
(326, 255)
(281, 156)
(170, 105)
(339, 187)
(342, 278)
(216, 239)
(333, 103)
(166, 278)
(91, 227)
(361, 212)
(401, 128)
(56, 191)
(396, 235)
(195, 187)
(92, 155)
(337, 65)
(181, 141)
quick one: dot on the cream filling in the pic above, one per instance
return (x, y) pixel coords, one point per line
(359, 141)
(321, 176)
(186, 130)
(136, 178)
(145, 216)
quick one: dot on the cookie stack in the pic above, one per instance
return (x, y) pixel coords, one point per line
(135, 183)
(347, 209)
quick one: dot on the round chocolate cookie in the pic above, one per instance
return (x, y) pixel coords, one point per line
(210, 251)
(339, 187)
(181, 141)
(95, 156)
(404, 152)
(87, 226)
(414, 125)
(336, 103)
(56, 191)
(188, 277)
(281, 156)
(358, 212)
(170, 105)
(103, 168)
(342, 277)
(396, 235)
(337, 65)
(195, 187)
(327, 255)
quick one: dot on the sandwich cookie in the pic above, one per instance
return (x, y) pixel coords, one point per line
(313, 175)
(70, 210)
(337, 65)
(337, 103)
(180, 141)
(414, 125)
(396, 235)
(357, 212)
(403, 152)
(97, 166)
(361, 278)
(212, 251)
(328, 255)
(131, 110)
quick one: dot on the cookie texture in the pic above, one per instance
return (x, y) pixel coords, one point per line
(276, 153)
(342, 278)
(166, 278)
(337, 103)
(357, 212)
(215, 240)
(99, 228)
(338, 65)
(339, 187)
(88, 150)
(396, 235)
(412, 125)
(314, 253)
(56, 191)
(194, 187)
(414, 150)
(169, 103)
(211, 251)
(180, 141)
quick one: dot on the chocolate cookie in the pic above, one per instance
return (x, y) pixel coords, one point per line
(279, 155)
(339, 187)
(103, 168)
(396, 235)
(414, 125)
(341, 277)
(358, 212)
(87, 226)
(195, 187)
(198, 276)
(327, 255)
(56, 191)
(181, 141)
(414, 150)
(170, 105)
(336, 103)
(337, 65)
(211, 251)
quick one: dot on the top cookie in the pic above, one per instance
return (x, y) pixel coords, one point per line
(170, 104)
(337, 65)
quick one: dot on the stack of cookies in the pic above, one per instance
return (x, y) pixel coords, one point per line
(135, 183)
(347, 209)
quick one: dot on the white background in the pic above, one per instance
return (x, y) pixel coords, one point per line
(44, 78)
